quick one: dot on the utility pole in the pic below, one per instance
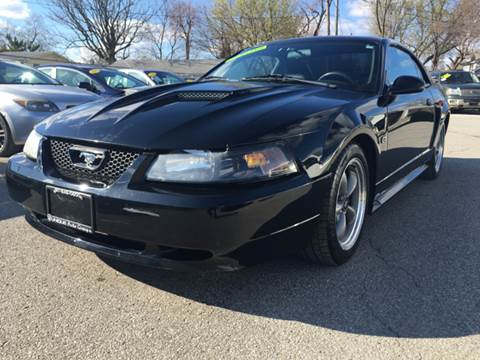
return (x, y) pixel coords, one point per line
(329, 3)
(337, 10)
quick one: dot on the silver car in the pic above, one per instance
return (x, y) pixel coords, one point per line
(28, 96)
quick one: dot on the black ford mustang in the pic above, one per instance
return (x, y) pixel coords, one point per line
(296, 139)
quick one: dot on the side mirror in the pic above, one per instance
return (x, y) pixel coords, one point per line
(87, 86)
(406, 85)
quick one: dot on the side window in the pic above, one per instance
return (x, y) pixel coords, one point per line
(135, 75)
(71, 78)
(47, 70)
(400, 63)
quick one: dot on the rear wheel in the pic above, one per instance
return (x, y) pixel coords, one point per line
(7, 147)
(341, 220)
(435, 165)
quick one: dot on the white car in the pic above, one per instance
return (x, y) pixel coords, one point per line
(153, 77)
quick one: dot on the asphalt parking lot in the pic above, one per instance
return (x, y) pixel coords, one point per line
(412, 291)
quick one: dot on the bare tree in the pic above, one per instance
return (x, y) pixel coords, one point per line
(313, 14)
(329, 5)
(468, 34)
(156, 32)
(431, 28)
(184, 17)
(108, 28)
(33, 36)
(213, 36)
(392, 18)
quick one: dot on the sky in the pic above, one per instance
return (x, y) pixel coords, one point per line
(354, 16)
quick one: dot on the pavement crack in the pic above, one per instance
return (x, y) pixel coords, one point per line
(417, 285)
(379, 255)
(373, 312)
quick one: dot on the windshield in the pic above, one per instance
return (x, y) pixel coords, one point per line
(348, 64)
(458, 78)
(160, 78)
(116, 79)
(22, 75)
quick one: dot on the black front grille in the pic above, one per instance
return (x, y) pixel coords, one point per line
(114, 165)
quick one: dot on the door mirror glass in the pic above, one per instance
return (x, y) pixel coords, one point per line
(407, 84)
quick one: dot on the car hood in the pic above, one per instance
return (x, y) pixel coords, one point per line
(203, 115)
(462, 85)
(60, 95)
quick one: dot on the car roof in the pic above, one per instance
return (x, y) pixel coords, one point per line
(76, 66)
(17, 63)
(376, 39)
(453, 71)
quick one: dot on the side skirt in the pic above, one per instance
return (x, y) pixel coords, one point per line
(381, 198)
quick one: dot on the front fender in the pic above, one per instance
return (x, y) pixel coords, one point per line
(319, 151)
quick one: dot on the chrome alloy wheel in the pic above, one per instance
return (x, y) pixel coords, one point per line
(439, 149)
(351, 204)
(2, 137)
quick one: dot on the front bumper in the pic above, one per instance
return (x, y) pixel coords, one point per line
(182, 230)
(461, 102)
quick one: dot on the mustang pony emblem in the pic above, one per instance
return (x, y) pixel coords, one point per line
(86, 158)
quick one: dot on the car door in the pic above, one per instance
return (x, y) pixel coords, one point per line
(410, 117)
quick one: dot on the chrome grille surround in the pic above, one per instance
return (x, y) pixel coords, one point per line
(115, 164)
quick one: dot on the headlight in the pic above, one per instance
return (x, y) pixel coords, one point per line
(37, 105)
(454, 91)
(193, 166)
(32, 145)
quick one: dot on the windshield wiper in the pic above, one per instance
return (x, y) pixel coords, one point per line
(286, 78)
(212, 77)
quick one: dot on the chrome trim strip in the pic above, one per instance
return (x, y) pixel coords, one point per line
(386, 195)
(287, 228)
(405, 165)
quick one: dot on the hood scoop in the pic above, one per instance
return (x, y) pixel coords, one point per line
(203, 95)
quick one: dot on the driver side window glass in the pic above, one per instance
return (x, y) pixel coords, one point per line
(400, 63)
(71, 78)
(47, 71)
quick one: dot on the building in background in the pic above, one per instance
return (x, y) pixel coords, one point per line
(187, 69)
(34, 58)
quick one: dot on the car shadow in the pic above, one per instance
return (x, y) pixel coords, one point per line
(8, 208)
(416, 273)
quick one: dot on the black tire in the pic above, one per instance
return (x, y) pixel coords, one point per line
(436, 163)
(323, 247)
(7, 146)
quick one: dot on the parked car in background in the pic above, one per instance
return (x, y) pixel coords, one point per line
(293, 140)
(103, 81)
(461, 87)
(154, 77)
(27, 96)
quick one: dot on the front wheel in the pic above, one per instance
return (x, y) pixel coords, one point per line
(343, 211)
(435, 165)
(7, 147)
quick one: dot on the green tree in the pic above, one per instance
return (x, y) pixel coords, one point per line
(14, 43)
